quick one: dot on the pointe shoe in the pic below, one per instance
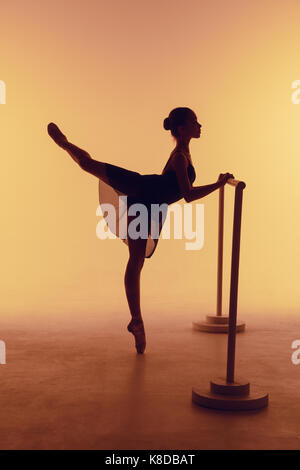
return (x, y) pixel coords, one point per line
(56, 134)
(137, 329)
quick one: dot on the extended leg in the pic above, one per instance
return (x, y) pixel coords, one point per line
(87, 163)
(122, 180)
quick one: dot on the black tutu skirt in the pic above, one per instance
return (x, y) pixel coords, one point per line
(148, 189)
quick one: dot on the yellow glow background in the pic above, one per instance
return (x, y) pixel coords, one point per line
(108, 73)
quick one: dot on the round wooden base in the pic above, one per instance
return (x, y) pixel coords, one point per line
(217, 324)
(234, 396)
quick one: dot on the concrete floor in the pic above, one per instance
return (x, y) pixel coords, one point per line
(80, 385)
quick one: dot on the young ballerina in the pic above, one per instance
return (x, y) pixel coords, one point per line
(174, 183)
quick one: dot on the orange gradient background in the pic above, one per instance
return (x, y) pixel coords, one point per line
(108, 73)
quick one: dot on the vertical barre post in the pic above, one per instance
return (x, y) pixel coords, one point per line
(234, 279)
(220, 251)
(230, 395)
(219, 323)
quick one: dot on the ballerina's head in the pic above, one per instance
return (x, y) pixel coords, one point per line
(183, 124)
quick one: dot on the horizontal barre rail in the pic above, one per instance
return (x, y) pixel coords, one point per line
(234, 182)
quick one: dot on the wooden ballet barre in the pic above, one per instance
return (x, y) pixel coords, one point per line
(229, 393)
(239, 185)
(234, 182)
(219, 323)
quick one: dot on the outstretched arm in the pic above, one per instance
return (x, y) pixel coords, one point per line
(197, 192)
(189, 192)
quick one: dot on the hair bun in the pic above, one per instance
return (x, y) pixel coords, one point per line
(167, 123)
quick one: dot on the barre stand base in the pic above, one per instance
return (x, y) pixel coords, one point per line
(232, 396)
(217, 324)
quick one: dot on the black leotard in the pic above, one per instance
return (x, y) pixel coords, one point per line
(146, 189)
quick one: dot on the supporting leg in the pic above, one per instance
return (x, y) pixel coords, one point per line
(132, 285)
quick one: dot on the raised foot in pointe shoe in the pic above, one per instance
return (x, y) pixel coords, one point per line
(56, 134)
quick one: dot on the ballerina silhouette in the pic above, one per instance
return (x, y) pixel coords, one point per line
(174, 183)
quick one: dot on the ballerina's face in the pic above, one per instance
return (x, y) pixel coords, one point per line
(192, 128)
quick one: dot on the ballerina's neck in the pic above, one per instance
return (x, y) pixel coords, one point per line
(185, 152)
